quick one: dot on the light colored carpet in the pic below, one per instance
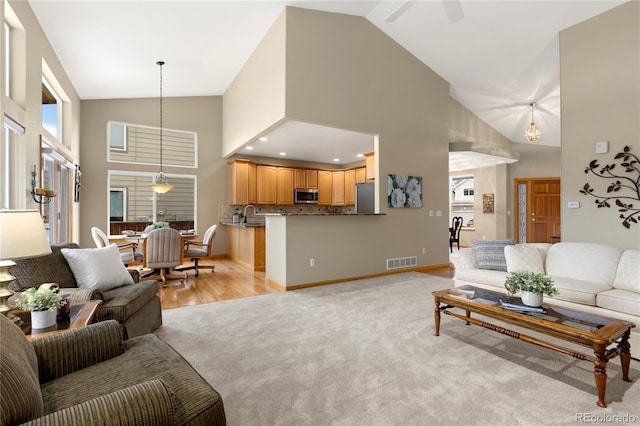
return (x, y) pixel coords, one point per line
(364, 353)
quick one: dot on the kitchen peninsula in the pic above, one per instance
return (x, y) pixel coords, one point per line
(246, 244)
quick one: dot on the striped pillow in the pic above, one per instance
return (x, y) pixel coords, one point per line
(490, 254)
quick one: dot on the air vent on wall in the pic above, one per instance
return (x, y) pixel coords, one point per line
(402, 262)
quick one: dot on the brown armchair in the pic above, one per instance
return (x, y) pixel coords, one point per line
(90, 375)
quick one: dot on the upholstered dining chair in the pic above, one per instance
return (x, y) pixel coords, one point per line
(454, 232)
(196, 250)
(162, 252)
(128, 251)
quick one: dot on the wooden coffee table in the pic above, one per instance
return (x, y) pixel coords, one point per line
(82, 314)
(589, 330)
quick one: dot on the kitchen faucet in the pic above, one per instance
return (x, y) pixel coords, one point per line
(244, 214)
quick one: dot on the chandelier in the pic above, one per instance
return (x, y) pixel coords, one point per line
(160, 183)
(532, 134)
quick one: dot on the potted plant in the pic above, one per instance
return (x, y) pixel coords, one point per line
(532, 286)
(43, 304)
(160, 225)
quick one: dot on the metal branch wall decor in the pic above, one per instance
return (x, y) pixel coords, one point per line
(625, 189)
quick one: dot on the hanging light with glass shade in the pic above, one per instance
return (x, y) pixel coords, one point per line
(160, 183)
(532, 134)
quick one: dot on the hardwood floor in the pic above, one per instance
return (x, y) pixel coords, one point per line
(229, 281)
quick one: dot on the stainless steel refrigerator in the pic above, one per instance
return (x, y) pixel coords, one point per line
(365, 198)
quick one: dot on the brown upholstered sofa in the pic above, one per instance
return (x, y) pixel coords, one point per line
(91, 376)
(136, 307)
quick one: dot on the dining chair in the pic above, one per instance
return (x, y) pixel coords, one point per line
(128, 251)
(162, 250)
(196, 250)
(454, 232)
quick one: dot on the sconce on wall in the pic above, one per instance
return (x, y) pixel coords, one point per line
(40, 195)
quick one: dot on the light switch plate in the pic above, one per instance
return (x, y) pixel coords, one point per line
(573, 204)
(602, 147)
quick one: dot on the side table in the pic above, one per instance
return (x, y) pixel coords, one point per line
(82, 314)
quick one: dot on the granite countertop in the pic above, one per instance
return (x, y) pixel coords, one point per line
(244, 225)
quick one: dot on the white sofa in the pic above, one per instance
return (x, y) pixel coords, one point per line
(592, 278)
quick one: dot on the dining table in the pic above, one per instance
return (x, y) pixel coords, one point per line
(139, 238)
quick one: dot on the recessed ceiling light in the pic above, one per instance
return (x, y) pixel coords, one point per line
(360, 155)
(249, 148)
(336, 160)
(283, 153)
(263, 139)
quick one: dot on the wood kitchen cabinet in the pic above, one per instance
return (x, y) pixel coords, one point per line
(306, 178)
(324, 187)
(370, 165)
(361, 175)
(266, 184)
(284, 185)
(350, 187)
(337, 188)
(242, 182)
(239, 182)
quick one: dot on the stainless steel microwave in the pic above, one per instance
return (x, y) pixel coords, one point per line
(305, 196)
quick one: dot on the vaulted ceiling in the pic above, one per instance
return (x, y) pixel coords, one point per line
(497, 55)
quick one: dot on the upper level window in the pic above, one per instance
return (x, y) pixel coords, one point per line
(7, 59)
(136, 144)
(467, 191)
(51, 110)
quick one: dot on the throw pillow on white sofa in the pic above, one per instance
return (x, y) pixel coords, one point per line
(522, 258)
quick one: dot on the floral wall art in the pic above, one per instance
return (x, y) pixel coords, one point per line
(404, 191)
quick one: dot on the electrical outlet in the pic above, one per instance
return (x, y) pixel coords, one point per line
(312, 262)
(573, 204)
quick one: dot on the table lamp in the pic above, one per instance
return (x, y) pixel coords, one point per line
(22, 235)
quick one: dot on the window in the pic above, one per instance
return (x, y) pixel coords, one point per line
(116, 137)
(132, 203)
(462, 199)
(7, 60)
(51, 111)
(57, 174)
(136, 144)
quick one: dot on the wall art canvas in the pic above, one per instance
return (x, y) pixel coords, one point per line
(487, 203)
(404, 191)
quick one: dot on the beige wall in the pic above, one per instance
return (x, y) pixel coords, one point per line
(25, 105)
(255, 101)
(202, 115)
(600, 90)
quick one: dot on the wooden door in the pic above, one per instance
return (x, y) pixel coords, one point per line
(537, 210)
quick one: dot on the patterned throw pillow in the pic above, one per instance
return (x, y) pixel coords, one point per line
(490, 254)
(524, 259)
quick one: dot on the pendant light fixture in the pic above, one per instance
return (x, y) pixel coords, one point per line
(532, 134)
(160, 183)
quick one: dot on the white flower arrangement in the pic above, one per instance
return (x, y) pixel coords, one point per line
(404, 191)
(39, 300)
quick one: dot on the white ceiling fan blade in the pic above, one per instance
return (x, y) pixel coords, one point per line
(453, 9)
(399, 11)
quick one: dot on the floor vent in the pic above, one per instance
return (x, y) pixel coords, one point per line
(402, 262)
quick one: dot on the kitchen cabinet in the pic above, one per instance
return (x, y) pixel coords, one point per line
(266, 184)
(337, 188)
(350, 187)
(306, 178)
(252, 184)
(324, 187)
(238, 182)
(285, 178)
(370, 165)
(246, 246)
(361, 175)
